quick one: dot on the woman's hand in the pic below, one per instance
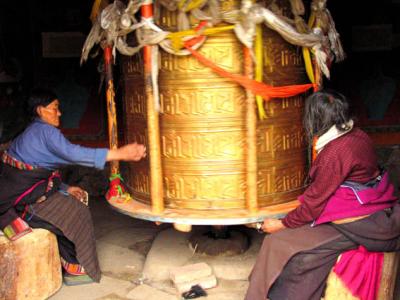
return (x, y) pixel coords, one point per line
(272, 225)
(129, 152)
(77, 192)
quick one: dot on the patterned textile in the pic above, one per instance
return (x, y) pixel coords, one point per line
(74, 220)
(73, 269)
(16, 229)
(19, 188)
(9, 160)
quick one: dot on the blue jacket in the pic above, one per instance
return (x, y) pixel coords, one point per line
(43, 145)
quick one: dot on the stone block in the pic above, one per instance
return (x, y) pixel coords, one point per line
(30, 266)
(206, 283)
(190, 272)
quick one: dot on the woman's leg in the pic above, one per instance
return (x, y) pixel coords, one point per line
(74, 220)
(278, 248)
(304, 276)
(65, 246)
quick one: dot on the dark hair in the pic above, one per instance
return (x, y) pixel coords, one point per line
(40, 97)
(323, 109)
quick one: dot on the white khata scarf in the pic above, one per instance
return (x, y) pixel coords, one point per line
(331, 134)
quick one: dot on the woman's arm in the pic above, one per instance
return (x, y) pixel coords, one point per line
(130, 152)
(65, 152)
(329, 171)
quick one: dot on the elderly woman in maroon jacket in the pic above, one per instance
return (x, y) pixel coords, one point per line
(349, 203)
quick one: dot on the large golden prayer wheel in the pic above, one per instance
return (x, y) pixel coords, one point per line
(203, 144)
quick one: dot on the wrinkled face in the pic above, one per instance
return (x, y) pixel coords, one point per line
(50, 113)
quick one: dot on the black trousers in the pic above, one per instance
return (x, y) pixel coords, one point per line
(304, 276)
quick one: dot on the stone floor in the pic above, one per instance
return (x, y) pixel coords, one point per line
(135, 256)
(131, 271)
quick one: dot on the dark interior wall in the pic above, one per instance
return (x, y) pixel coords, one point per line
(25, 56)
(22, 24)
(348, 16)
(370, 75)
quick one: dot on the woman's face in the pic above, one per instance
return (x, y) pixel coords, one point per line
(50, 113)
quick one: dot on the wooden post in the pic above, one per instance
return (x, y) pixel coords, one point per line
(153, 126)
(111, 110)
(258, 52)
(251, 139)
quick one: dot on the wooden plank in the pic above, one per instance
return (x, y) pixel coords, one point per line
(144, 211)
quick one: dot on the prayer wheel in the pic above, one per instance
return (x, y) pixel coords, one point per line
(203, 143)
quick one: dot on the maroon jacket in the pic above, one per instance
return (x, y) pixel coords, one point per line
(350, 157)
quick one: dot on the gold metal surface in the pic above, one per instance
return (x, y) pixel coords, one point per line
(203, 130)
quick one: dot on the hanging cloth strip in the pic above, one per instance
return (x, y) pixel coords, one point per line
(258, 88)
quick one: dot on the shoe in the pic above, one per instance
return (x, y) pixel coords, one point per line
(72, 280)
(72, 269)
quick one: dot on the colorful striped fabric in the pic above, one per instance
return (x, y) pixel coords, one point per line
(9, 160)
(72, 269)
(16, 229)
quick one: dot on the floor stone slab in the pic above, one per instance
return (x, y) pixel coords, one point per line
(119, 262)
(93, 291)
(146, 292)
(170, 250)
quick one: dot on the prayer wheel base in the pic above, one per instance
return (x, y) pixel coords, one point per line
(143, 211)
